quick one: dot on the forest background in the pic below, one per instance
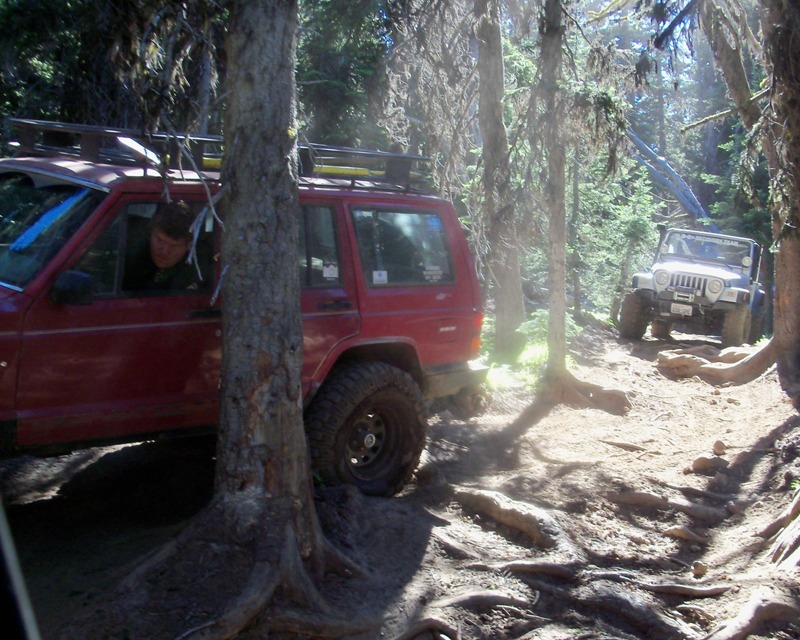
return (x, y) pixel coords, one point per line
(373, 77)
(525, 108)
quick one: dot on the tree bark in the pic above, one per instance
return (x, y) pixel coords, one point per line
(781, 27)
(498, 199)
(261, 448)
(552, 30)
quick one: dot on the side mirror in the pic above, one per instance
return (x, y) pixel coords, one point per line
(73, 287)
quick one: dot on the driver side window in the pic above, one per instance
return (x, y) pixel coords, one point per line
(109, 260)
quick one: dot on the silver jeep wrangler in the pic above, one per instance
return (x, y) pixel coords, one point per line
(700, 282)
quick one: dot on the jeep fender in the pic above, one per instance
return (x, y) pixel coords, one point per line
(399, 352)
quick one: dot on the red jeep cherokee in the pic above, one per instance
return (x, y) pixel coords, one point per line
(390, 302)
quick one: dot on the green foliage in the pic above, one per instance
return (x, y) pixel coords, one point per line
(342, 46)
(531, 362)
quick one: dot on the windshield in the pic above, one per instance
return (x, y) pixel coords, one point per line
(35, 222)
(731, 252)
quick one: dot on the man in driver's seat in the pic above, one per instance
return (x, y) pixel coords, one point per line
(157, 261)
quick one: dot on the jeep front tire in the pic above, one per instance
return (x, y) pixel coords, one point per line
(661, 329)
(757, 318)
(366, 427)
(736, 326)
(633, 317)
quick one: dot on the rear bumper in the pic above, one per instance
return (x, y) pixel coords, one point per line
(451, 379)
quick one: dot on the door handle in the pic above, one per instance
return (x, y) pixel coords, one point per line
(335, 305)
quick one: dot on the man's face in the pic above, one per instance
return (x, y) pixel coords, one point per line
(165, 250)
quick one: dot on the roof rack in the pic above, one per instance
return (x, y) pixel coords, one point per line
(360, 167)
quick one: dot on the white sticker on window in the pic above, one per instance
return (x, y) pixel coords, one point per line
(330, 271)
(433, 273)
(380, 277)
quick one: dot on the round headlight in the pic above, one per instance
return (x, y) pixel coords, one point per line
(662, 278)
(715, 286)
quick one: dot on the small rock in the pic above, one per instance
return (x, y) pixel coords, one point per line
(705, 464)
(734, 507)
(699, 569)
(719, 448)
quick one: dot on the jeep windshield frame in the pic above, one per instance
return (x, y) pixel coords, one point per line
(730, 252)
(37, 218)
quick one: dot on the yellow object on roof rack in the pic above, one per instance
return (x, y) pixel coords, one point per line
(130, 146)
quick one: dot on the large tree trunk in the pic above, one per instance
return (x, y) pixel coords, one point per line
(575, 258)
(781, 27)
(498, 199)
(552, 42)
(781, 147)
(262, 450)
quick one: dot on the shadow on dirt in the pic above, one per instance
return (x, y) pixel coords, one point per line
(648, 347)
(81, 521)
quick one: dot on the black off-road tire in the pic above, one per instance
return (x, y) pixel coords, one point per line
(661, 329)
(633, 317)
(736, 326)
(367, 427)
(757, 324)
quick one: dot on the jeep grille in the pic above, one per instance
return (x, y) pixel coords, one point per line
(686, 281)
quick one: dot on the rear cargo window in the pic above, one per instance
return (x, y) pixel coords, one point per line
(402, 247)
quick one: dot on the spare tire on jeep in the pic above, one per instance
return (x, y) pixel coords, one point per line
(366, 427)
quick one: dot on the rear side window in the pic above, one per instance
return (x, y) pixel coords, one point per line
(402, 247)
(319, 256)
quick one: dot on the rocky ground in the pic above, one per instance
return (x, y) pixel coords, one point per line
(583, 525)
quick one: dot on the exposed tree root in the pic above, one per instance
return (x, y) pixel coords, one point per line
(710, 515)
(482, 600)
(785, 552)
(670, 588)
(453, 548)
(568, 571)
(278, 595)
(473, 600)
(262, 584)
(619, 602)
(257, 593)
(564, 388)
(735, 365)
(790, 513)
(535, 523)
(684, 533)
(764, 606)
(430, 625)
(627, 446)
(686, 590)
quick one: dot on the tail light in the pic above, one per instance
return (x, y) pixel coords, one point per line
(475, 339)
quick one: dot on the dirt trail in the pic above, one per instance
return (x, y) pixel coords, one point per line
(618, 507)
